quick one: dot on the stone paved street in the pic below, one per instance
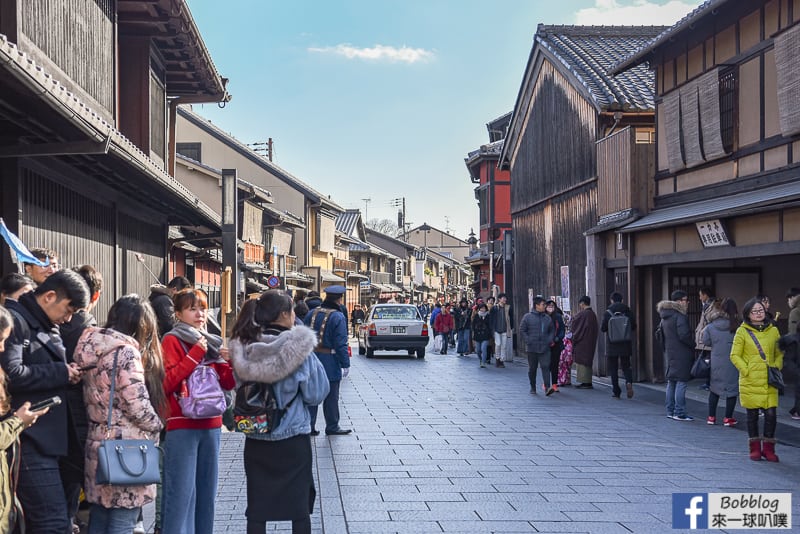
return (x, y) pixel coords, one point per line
(441, 445)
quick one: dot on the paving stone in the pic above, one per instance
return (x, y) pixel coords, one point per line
(444, 448)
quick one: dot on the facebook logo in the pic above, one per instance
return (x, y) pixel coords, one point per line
(690, 510)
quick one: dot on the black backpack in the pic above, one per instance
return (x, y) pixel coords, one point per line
(619, 328)
(255, 410)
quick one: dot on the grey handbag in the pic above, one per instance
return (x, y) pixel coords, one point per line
(126, 462)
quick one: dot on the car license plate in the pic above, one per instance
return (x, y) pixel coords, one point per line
(398, 330)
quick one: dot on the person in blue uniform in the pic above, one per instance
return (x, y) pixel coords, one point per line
(330, 324)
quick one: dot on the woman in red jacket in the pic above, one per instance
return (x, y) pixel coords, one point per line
(192, 445)
(443, 325)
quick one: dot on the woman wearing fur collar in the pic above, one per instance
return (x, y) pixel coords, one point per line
(268, 348)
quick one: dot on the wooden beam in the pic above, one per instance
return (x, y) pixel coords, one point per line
(56, 149)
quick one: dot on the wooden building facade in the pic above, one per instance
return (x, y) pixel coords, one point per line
(725, 189)
(566, 103)
(84, 151)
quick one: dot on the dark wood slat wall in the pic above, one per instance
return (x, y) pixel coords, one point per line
(80, 229)
(558, 147)
(548, 236)
(550, 207)
(78, 36)
(83, 230)
(137, 236)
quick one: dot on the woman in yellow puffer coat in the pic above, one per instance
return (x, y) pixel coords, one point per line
(755, 393)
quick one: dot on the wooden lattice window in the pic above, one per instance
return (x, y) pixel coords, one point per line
(727, 107)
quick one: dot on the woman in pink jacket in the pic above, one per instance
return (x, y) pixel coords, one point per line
(131, 334)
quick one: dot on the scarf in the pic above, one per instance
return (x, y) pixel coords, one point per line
(192, 335)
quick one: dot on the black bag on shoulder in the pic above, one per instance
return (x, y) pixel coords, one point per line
(701, 367)
(774, 375)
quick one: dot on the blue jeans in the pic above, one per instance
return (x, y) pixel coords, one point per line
(41, 493)
(104, 520)
(462, 346)
(330, 409)
(482, 349)
(190, 481)
(676, 397)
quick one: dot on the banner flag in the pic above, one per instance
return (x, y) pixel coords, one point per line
(18, 247)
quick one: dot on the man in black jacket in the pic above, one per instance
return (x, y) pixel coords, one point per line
(621, 351)
(37, 369)
(72, 465)
(161, 300)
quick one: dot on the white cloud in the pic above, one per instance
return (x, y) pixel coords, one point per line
(637, 12)
(391, 54)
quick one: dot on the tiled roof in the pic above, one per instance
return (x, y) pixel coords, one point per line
(639, 55)
(18, 64)
(346, 222)
(489, 149)
(588, 52)
(498, 127)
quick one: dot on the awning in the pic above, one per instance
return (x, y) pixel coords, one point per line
(294, 275)
(254, 286)
(356, 275)
(327, 276)
(297, 289)
(759, 200)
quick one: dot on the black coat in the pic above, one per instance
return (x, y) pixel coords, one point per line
(481, 329)
(35, 363)
(622, 348)
(164, 308)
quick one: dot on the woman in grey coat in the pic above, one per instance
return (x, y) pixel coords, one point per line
(718, 334)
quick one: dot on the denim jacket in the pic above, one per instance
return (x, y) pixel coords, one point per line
(285, 359)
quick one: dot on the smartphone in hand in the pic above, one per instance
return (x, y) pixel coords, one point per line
(47, 403)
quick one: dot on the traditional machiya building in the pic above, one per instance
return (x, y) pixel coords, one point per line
(725, 191)
(405, 266)
(490, 260)
(310, 249)
(567, 103)
(88, 90)
(264, 233)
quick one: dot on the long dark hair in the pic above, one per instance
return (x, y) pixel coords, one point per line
(267, 310)
(730, 309)
(246, 329)
(133, 316)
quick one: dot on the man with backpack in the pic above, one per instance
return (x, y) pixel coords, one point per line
(618, 325)
(330, 324)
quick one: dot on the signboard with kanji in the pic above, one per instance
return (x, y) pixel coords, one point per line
(712, 233)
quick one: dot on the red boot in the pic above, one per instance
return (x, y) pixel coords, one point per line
(769, 450)
(755, 449)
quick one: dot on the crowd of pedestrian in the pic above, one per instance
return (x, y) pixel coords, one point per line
(158, 370)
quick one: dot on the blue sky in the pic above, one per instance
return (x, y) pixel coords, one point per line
(383, 99)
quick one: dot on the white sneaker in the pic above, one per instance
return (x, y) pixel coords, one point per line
(139, 528)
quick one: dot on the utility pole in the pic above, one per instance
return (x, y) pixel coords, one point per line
(401, 215)
(264, 149)
(366, 205)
